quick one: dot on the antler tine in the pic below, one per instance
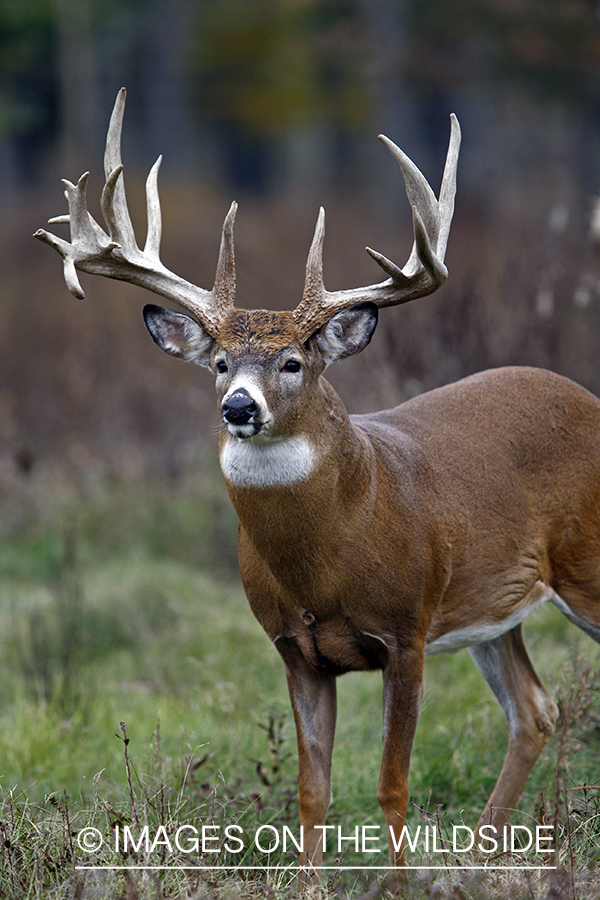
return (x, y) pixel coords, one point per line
(425, 270)
(113, 165)
(224, 286)
(114, 253)
(153, 213)
(448, 188)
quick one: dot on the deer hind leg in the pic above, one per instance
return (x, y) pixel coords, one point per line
(530, 712)
(573, 604)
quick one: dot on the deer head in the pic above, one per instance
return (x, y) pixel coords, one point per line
(246, 350)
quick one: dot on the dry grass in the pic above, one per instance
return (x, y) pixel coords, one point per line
(115, 620)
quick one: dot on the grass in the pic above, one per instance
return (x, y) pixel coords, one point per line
(139, 691)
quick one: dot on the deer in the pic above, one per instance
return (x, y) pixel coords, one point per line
(368, 542)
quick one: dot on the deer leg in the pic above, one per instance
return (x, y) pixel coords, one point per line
(530, 712)
(402, 690)
(313, 697)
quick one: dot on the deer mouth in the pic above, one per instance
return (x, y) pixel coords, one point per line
(243, 432)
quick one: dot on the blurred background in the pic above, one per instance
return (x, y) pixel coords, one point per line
(119, 592)
(277, 103)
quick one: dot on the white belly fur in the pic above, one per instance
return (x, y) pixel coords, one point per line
(482, 632)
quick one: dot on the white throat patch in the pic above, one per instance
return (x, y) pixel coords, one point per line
(263, 463)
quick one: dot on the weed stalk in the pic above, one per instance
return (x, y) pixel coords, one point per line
(125, 740)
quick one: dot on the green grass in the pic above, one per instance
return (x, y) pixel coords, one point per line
(124, 607)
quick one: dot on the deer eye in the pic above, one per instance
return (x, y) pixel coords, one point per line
(221, 367)
(292, 365)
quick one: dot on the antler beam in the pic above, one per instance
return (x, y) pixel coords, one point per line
(424, 272)
(115, 253)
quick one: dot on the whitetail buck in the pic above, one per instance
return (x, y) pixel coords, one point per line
(366, 542)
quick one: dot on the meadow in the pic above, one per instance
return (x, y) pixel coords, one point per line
(120, 600)
(138, 692)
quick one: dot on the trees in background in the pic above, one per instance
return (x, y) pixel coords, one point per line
(271, 92)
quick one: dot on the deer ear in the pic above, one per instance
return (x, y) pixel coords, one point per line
(179, 335)
(348, 332)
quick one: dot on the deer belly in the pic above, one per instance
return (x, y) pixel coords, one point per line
(446, 637)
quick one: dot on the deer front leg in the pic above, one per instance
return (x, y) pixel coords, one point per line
(313, 697)
(402, 690)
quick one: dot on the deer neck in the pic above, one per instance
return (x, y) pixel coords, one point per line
(298, 484)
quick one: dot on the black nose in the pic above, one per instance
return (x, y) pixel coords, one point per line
(239, 408)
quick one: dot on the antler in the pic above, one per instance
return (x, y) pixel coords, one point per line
(424, 272)
(114, 253)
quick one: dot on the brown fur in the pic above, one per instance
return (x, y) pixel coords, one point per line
(458, 508)
(260, 331)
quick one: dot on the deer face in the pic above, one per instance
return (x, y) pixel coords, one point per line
(266, 376)
(262, 371)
